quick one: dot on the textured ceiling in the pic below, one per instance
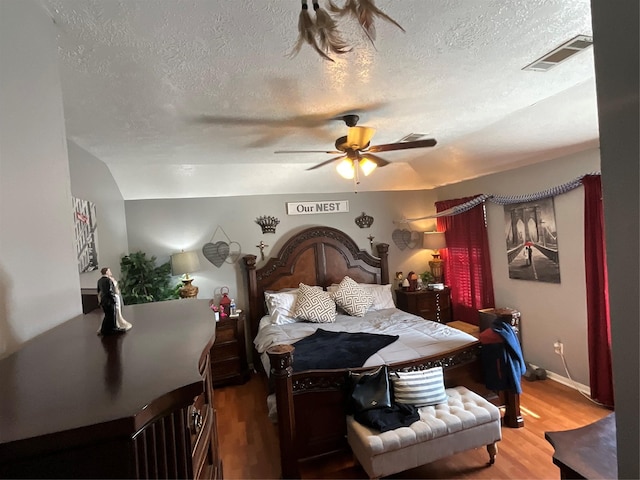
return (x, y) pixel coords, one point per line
(147, 86)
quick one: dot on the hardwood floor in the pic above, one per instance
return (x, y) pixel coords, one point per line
(249, 441)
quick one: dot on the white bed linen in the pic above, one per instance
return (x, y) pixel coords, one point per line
(418, 337)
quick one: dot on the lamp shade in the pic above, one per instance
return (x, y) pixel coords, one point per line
(184, 262)
(367, 166)
(434, 240)
(346, 169)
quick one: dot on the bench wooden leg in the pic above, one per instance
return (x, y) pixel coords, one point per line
(492, 448)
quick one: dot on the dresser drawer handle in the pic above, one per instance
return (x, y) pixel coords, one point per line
(196, 421)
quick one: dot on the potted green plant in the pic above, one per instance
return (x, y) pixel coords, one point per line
(141, 281)
(427, 278)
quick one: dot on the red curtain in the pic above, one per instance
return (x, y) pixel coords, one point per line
(467, 262)
(598, 320)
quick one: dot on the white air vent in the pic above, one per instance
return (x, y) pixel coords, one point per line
(412, 137)
(561, 53)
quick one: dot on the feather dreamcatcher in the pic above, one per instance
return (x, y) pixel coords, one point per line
(322, 35)
(364, 11)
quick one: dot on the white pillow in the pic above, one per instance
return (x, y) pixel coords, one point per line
(314, 305)
(283, 301)
(382, 297)
(352, 298)
(419, 388)
(280, 305)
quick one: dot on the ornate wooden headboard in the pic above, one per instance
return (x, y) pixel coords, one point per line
(314, 256)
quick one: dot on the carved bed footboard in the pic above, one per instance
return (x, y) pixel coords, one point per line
(310, 405)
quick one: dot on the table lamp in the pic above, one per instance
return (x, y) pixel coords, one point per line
(184, 263)
(435, 241)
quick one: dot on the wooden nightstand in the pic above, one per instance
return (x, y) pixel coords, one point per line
(430, 304)
(229, 356)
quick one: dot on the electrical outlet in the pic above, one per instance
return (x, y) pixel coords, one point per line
(558, 347)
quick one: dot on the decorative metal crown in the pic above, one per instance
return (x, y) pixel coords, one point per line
(267, 223)
(364, 220)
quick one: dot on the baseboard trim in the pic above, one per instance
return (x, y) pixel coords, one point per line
(566, 381)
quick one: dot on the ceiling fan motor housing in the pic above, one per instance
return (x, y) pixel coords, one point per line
(351, 120)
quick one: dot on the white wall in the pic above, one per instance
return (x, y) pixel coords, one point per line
(548, 311)
(39, 285)
(91, 180)
(163, 227)
(618, 88)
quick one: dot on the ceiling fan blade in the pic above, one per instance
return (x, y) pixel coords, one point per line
(246, 121)
(429, 142)
(356, 111)
(327, 162)
(311, 121)
(308, 151)
(380, 162)
(298, 121)
(359, 137)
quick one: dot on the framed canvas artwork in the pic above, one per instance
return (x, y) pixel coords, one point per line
(532, 241)
(86, 234)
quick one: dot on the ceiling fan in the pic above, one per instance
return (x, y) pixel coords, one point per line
(355, 150)
(272, 129)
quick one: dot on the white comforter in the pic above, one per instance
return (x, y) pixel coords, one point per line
(418, 337)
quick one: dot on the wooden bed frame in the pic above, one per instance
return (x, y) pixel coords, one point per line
(311, 419)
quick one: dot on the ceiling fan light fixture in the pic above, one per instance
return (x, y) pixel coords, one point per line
(359, 137)
(346, 169)
(367, 166)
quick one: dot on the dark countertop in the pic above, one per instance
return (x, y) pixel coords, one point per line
(69, 379)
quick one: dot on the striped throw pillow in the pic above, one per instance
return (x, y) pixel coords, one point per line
(419, 388)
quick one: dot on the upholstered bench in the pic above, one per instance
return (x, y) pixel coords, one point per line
(466, 421)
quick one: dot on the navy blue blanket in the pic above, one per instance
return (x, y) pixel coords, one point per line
(328, 350)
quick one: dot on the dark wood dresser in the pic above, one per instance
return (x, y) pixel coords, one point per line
(89, 299)
(430, 304)
(586, 452)
(229, 356)
(134, 405)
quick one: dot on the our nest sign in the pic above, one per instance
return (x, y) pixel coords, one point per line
(310, 208)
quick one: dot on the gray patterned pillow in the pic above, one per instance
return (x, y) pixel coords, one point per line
(352, 298)
(314, 305)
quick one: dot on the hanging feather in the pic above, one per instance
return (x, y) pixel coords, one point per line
(367, 11)
(306, 34)
(328, 34)
(351, 6)
(364, 11)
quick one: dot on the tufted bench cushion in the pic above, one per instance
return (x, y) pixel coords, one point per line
(466, 421)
